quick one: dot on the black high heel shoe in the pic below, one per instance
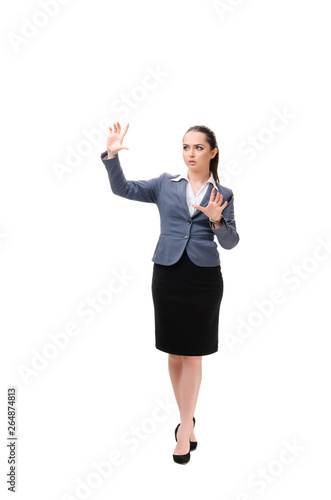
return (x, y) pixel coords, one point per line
(182, 459)
(193, 444)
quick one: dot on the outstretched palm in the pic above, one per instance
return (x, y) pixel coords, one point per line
(115, 138)
(214, 208)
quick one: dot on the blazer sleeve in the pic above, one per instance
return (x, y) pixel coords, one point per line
(227, 233)
(144, 190)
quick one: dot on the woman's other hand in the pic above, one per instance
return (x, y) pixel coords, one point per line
(214, 208)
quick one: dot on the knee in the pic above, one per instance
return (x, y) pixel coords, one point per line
(192, 360)
(175, 358)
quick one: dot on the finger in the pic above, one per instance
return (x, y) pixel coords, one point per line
(110, 129)
(118, 127)
(212, 194)
(224, 205)
(125, 130)
(198, 207)
(217, 194)
(217, 197)
(115, 127)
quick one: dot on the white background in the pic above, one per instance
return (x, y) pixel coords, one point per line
(63, 236)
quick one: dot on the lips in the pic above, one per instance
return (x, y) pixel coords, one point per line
(191, 161)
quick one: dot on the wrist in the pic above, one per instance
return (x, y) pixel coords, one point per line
(216, 221)
(110, 155)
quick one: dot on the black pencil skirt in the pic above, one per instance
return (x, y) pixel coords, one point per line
(187, 301)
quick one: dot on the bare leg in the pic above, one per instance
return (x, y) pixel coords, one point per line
(185, 373)
(175, 365)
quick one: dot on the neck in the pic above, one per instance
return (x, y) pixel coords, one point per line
(198, 177)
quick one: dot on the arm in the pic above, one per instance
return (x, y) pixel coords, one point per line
(145, 190)
(227, 233)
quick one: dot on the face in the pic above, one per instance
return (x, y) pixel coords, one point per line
(196, 151)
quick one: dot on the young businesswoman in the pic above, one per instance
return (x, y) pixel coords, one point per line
(187, 283)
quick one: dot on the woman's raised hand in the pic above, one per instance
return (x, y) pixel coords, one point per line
(214, 208)
(115, 138)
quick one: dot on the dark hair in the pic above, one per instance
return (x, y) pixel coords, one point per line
(211, 139)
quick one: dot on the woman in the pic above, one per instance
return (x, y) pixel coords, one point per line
(187, 283)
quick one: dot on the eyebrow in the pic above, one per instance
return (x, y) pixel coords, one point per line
(184, 144)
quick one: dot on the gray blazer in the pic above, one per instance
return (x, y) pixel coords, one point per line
(179, 229)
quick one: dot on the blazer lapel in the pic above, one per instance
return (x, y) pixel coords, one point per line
(205, 200)
(181, 191)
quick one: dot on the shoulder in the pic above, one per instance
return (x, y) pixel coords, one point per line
(166, 176)
(225, 191)
(170, 176)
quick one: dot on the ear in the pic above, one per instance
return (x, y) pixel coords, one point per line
(215, 150)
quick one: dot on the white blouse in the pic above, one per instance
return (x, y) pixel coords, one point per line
(190, 197)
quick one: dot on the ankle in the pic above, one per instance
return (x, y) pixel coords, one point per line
(186, 427)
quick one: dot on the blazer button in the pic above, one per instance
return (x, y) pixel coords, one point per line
(189, 222)
(186, 236)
